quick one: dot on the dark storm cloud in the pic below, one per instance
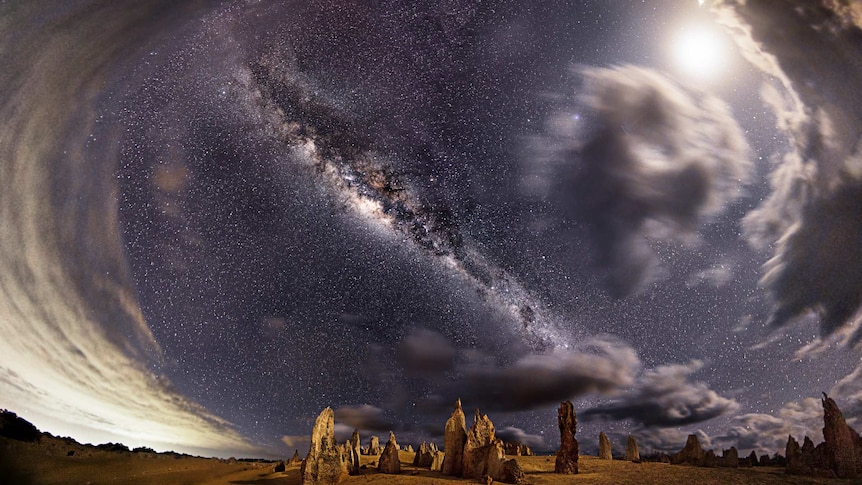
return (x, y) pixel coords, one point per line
(658, 161)
(664, 397)
(366, 417)
(425, 352)
(512, 434)
(812, 218)
(538, 380)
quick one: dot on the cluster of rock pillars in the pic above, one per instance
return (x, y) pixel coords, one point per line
(477, 453)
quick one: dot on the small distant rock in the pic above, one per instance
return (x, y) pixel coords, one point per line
(691, 454)
(567, 455)
(296, 458)
(730, 458)
(424, 456)
(374, 446)
(389, 462)
(279, 467)
(605, 447)
(632, 452)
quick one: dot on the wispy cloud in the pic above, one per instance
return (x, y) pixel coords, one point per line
(664, 397)
(658, 161)
(811, 219)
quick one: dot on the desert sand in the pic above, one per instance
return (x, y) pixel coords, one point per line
(47, 463)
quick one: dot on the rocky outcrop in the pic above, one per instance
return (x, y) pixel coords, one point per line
(408, 448)
(752, 459)
(352, 449)
(478, 448)
(730, 458)
(795, 462)
(842, 443)
(279, 467)
(567, 456)
(632, 453)
(691, 454)
(323, 465)
(513, 449)
(454, 438)
(374, 446)
(296, 458)
(423, 456)
(389, 462)
(840, 454)
(437, 460)
(605, 447)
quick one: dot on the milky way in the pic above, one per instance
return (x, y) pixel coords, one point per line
(243, 212)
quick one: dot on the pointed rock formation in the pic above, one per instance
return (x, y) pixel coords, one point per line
(795, 462)
(323, 465)
(353, 451)
(840, 454)
(389, 462)
(374, 446)
(296, 458)
(423, 456)
(605, 447)
(632, 453)
(480, 439)
(841, 441)
(691, 454)
(455, 436)
(567, 455)
(752, 458)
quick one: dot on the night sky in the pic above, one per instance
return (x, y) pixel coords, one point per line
(218, 218)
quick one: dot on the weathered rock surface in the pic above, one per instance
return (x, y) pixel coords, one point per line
(795, 462)
(632, 452)
(374, 446)
(480, 440)
(605, 447)
(323, 465)
(353, 451)
(279, 467)
(841, 441)
(691, 454)
(409, 449)
(567, 456)
(389, 462)
(296, 458)
(730, 458)
(840, 454)
(454, 438)
(513, 449)
(423, 456)
(437, 460)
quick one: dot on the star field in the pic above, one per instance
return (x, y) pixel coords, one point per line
(249, 211)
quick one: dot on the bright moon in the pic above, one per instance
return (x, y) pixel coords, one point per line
(700, 52)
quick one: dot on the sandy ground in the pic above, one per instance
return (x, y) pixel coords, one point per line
(26, 463)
